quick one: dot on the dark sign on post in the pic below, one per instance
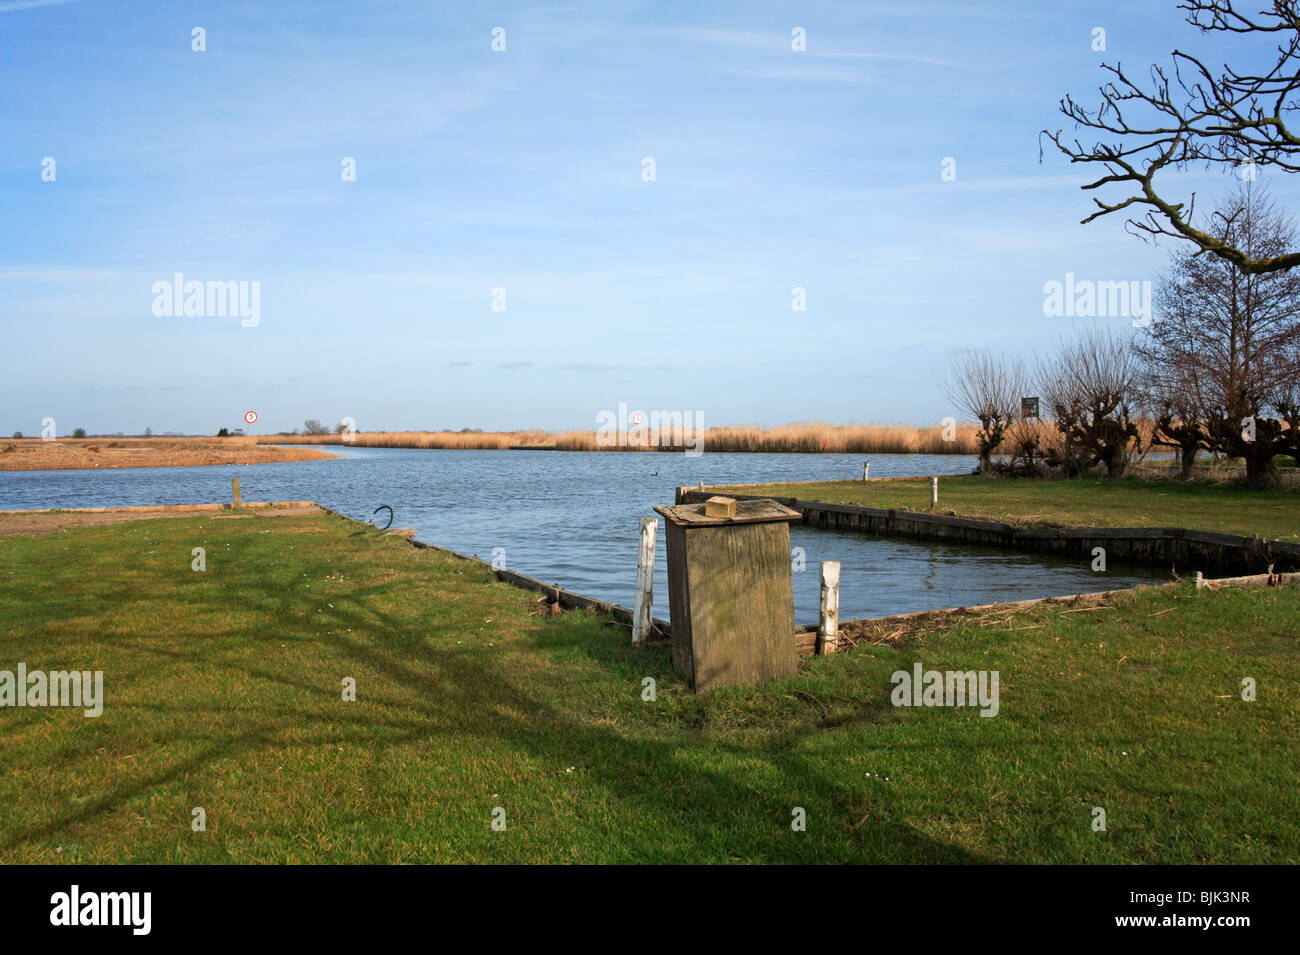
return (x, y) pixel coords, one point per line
(1029, 407)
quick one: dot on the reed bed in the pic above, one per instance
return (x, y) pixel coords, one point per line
(456, 440)
(807, 437)
(112, 451)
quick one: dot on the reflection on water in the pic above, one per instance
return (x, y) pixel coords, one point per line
(573, 518)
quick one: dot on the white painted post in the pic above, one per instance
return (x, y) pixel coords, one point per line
(645, 579)
(934, 492)
(828, 624)
(866, 466)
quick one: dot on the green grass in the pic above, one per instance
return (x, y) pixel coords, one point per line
(224, 691)
(1084, 502)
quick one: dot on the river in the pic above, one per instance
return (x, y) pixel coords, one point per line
(573, 517)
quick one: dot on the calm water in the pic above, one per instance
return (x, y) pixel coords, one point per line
(573, 518)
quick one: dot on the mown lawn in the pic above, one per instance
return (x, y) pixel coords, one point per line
(224, 691)
(1084, 502)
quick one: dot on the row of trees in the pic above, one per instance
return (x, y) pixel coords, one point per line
(311, 426)
(1217, 371)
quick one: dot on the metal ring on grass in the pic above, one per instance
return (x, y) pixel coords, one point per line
(371, 520)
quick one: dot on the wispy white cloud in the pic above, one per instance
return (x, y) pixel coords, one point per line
(902, 57)
(16, 5)
(1003, 184)
(46, 274)
(808, 73)
(780, 42)
(746, 38)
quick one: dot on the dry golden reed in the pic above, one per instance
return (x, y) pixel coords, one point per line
(808, 436)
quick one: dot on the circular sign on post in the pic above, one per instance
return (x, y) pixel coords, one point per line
(251, 417)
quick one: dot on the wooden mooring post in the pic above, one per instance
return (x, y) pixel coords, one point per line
(645, 579)
(828, 623)
(234, 488)
(934, 492)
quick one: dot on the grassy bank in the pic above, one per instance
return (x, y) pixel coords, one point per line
(223, 691)
(1084, 502)
(809, 436)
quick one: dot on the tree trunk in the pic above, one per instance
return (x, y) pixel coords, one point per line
(1260, 472)
(1188, 461)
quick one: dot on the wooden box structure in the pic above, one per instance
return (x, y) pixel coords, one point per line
(730, 596)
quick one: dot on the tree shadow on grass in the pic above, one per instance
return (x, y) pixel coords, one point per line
(678, 795)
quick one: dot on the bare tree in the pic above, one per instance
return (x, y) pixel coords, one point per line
(988, 388)
(1190, 113)
(1286, 399)
(1091, 386)
(1169, 402)
(1231, 334)
(1059, 393)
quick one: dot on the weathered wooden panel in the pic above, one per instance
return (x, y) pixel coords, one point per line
(679, 600)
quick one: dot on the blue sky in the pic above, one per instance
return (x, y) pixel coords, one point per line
(522, 170)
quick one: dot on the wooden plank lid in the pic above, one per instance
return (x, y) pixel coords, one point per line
(747, 512)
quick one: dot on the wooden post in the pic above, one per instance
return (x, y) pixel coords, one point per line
(934, 492)
(645, 579)
(828, 624)
(1200, 580)
(866, 466)
(234, 486)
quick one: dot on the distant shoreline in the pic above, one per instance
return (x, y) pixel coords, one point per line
(109, 453)
(802, 438)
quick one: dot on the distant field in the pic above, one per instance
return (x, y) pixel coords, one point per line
(1082, 502)
(33, 454)
(802, 437)
(223, 691)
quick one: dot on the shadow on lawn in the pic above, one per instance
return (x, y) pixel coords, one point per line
(680, 807)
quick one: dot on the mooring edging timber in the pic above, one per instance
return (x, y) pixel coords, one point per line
(1180, 547)
(567, 599)
(805, 636)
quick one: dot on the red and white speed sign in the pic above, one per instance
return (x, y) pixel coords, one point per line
(251, 417)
